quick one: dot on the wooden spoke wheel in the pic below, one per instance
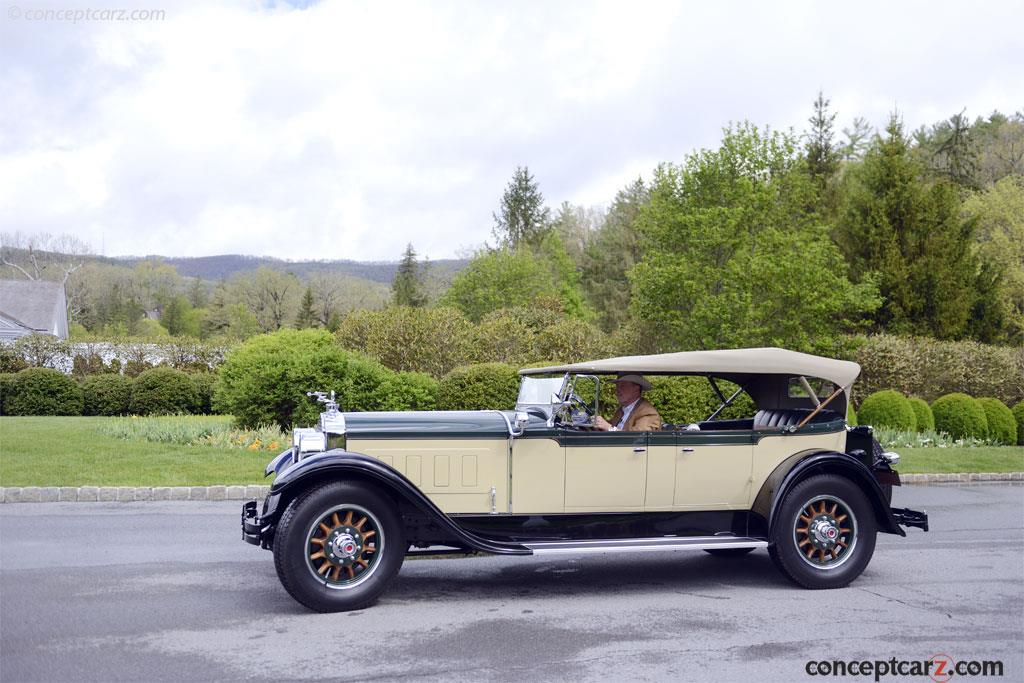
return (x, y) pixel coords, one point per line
(343, 545)
(825, 531)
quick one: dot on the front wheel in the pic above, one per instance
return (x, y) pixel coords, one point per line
(824, 535)
(338, 546)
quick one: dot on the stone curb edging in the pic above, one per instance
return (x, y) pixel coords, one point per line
(124, 494)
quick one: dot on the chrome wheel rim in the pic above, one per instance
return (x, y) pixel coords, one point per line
(825, 532)
(343, 546)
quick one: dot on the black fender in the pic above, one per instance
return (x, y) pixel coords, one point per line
(825, 462)
(338, 464)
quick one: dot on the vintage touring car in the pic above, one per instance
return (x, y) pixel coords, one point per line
(359, 492)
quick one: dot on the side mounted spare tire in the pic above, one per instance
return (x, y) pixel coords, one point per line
(824, 534)
(338, 546)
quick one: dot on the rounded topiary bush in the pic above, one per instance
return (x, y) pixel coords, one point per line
(960, 416)
(488, 386)
(889, 409)
(6, 389)
(408, 391)
(682, 400)
(43, 391)
(204, 383)
(1018, 414)
(163, 391)
(265, 380)
(923, 412)
(851, 415)
(106, 395)
(1002, 426)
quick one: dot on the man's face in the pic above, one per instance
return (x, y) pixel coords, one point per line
(626, 392)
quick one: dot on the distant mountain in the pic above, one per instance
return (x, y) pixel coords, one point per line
(223, 267)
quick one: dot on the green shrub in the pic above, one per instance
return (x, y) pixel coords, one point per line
(691, 399)
(6, 389)
(960, 416)
(887, 408)
(851, 415)
(10, 360)
(163, 391)
(1002, 426)
(488, 386)
(106, 394)
(408, 391)
(43, 391)
(923, 412)
(1018, 414)
(204, 383)
(265, 379)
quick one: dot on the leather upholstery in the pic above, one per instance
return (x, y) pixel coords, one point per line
(771, 419)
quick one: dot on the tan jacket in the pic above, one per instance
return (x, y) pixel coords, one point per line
(644, 418)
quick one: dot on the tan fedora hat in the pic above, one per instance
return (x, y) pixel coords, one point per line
(635, 379)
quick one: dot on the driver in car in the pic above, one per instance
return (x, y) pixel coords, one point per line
(635, 413)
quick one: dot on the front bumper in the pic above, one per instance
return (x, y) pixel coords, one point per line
(908, 517)
(252, 530)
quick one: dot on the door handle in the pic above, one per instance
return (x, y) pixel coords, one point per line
(687, 450)
(639, 449)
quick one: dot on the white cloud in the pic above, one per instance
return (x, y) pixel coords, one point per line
(346, 129)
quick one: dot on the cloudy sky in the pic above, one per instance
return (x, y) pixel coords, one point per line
(343, 129)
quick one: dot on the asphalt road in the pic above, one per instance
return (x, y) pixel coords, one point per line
(168, 591)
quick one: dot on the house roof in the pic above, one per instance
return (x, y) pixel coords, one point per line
(730, 363)
(32, 303)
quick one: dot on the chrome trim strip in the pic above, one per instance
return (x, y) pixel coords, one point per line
(645, 544)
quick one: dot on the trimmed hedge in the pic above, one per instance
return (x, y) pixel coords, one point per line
(6, 389)
(408, 391)
(488, 386)
(851, 415)
(960, 416)
(1018, 414)
(923, 411)
(163, 391)
(44, 391)
(920, 366)
(106, 395)
(265, 380)
(1002, 426)
(889, 409)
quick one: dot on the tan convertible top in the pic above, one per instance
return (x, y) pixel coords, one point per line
(724, 363)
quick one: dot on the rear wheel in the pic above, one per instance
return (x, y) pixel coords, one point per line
(338, 546)
(824, 533)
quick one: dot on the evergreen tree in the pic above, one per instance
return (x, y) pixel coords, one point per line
(910, 232)
(307, 316)
(858, 139)
(522, 219)
(407, 286)
(611, 253)
(822, 155)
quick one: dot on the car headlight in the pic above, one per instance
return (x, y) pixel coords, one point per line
(308, 440)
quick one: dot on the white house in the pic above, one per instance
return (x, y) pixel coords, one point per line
(28, 306)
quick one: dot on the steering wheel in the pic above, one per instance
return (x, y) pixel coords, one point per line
(577, 408)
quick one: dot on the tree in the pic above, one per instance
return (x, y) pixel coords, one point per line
(736, 255)
(42, 256)
(611, 253)
(522, 218)
(307, 316)
(499, 279)
(407, 285)
(180, 318)
(822, 155)
(909, 231)
(272, 295)
(999, 212)
(858, 139)
(949, 150)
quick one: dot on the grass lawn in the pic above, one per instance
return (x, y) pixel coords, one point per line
(946, 460)
(73, 451)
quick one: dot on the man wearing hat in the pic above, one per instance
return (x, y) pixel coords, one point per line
(635, 413)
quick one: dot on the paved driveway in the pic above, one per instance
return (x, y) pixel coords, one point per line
(167, 591)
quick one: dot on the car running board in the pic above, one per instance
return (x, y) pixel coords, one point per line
(642, 545)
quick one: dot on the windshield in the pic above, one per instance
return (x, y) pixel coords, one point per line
(538, 390)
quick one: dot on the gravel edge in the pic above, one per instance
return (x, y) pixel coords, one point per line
(125, 494)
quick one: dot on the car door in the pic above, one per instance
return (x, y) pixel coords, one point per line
(605, 471)
(713, 470)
